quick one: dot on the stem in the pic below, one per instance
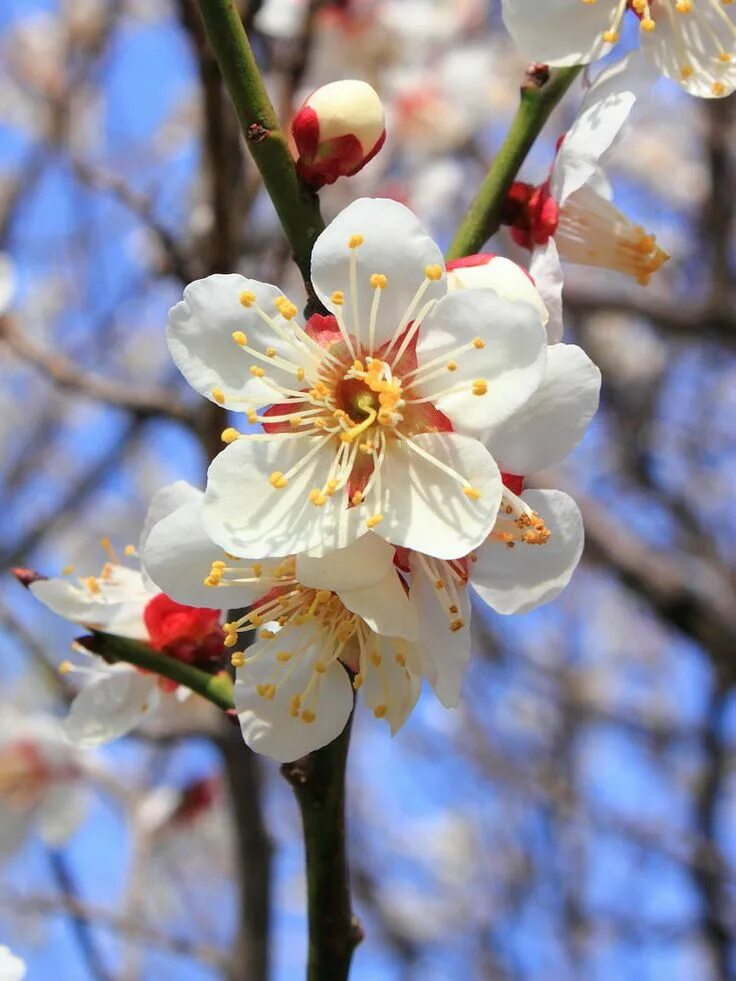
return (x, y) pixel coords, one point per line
(216, 688)
(318, 781)
(296, 205)
(539, 96)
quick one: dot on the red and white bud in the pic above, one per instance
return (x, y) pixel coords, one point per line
(340, 127)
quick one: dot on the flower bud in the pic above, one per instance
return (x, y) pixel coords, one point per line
(340, 127)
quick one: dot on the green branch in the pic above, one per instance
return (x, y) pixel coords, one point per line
(538, 99)
(318, 781)
(296, 206)
(217, 688)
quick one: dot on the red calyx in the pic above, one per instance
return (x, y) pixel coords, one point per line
(513, 481)
(187, 633)
(531, 213)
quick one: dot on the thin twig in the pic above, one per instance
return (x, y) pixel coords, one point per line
(66, 374)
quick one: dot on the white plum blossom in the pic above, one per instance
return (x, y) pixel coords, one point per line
(571, 216)
(377, 411)
(310, 615)
(122, 601)
(689, 41)
(42, 781)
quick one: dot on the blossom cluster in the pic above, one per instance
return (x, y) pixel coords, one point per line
(376, 475)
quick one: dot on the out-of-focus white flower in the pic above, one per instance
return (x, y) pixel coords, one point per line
(378, 408)
(689, 41)
(41, 781)
(338, 129)
(12, 968)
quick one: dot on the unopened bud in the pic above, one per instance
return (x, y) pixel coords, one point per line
(340, 127)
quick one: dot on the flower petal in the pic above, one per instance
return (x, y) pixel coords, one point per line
(559, 32)
(425, 508)
(117, 613)
(391, 679)
(518, 579)
(110, 706)
(164, 502)
(546, 271)
(267, 723)
(395, 244)
(605, 110)
(384, 606)
(552, 423)
(362, 563)
(200, 338)
(499, 274)
(445, 652)
(509, 361)
(246, 515)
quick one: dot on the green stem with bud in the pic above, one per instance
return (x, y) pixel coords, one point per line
(539, 96)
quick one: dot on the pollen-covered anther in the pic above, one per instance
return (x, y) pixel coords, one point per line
(472, 493)
(218, 395)
(286, 308)
(456, 625)
(295, 705)
(308, 716)
(451, 365)
(247, 298)
(65, 667)
(240, 338)
(355, 241)
(380, 711)
(433, 273)
(480, 387)
(357, 498)
(320, 667)
(277, 480)
(400, 660)
(478, 343)
(237, 659)
(283, 657)
(266, 691)
(379, 281)
(317, 498)
(231, 639)
(375, 519)
(256, 371)
(357, 681)
(229, 435)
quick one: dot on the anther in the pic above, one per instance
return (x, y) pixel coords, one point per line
(256, 371)
(277, 480)
(65, 667)
(308, 716)
(338, 298)
(472, 493)
(379, 281)
(218, 395)
(480, 387)
(354, 241)
(380, 711)
(433, 273)
(240, 338)
(375, 519)
(247, 298)
(229, 435)
(237, 659)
